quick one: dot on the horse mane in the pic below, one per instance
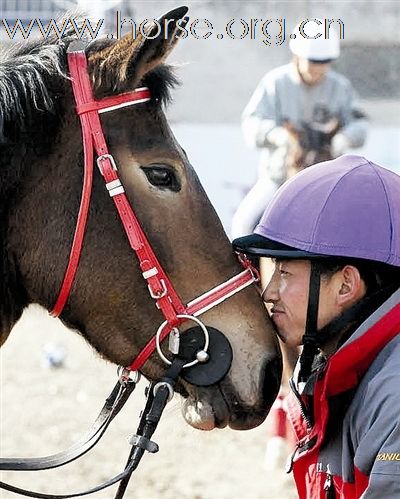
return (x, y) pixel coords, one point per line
(23, 89)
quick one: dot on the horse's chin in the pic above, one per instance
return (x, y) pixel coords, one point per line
(205, 416)
(202, 416)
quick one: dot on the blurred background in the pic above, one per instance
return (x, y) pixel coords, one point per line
(46, 403)
(219, 75)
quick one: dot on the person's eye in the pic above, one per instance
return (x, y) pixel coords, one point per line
(161, 176)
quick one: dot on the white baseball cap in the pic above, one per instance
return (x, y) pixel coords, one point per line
(313, 41)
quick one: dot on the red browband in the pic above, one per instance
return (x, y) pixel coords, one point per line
(160, 287)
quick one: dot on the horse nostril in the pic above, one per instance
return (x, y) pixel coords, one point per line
(209, 370)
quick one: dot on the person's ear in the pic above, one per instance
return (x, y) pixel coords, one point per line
(352, 287)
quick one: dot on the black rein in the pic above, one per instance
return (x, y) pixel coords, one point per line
(157, 397)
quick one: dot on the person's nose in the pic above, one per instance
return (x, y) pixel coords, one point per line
(270, 294)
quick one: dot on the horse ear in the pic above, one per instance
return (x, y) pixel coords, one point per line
(129, 60)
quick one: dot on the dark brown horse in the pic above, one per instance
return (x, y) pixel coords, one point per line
(310, 145)
(40, 185)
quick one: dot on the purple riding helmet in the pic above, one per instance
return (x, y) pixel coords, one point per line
(347, 207)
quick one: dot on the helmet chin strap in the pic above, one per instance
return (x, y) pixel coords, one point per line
(346, 323)
(310, 340)
(341, 327)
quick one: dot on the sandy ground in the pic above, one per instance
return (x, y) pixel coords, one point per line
(45, 410)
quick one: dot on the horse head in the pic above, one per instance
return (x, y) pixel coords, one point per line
(311, 144)
(41, 175)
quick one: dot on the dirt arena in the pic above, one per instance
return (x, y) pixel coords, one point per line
(45, 410)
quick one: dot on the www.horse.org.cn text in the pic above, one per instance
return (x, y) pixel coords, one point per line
(268, 31)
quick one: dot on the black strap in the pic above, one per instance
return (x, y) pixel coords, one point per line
(124, 482)
(313, 300)
(344, 325)
(149, 420)
(349, 320)
(39, 495)
(310, 347)
(150, 417)
(111, 408)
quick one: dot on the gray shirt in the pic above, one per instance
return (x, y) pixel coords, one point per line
(282, 96)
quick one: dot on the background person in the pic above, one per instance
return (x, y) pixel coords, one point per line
(334, 234)
(300, 113)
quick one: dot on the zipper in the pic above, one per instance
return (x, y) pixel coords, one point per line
(304, 411)
(329, 486)
(307, 419)
(289, 464)
(306, 444)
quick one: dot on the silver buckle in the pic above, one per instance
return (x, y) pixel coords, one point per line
(125, 375)
(161, 294)
(110, 158)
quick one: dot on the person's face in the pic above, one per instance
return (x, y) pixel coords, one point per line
(286, 286)
(310, 72)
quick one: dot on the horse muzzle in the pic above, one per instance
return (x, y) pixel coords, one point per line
(217, 405)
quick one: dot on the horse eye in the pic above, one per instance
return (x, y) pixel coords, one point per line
(162, 177)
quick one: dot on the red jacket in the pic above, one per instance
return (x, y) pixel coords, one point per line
(352, 448)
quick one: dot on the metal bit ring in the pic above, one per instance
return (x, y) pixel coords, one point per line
(191, 318)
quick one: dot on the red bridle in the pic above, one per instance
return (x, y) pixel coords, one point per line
(159, 285)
